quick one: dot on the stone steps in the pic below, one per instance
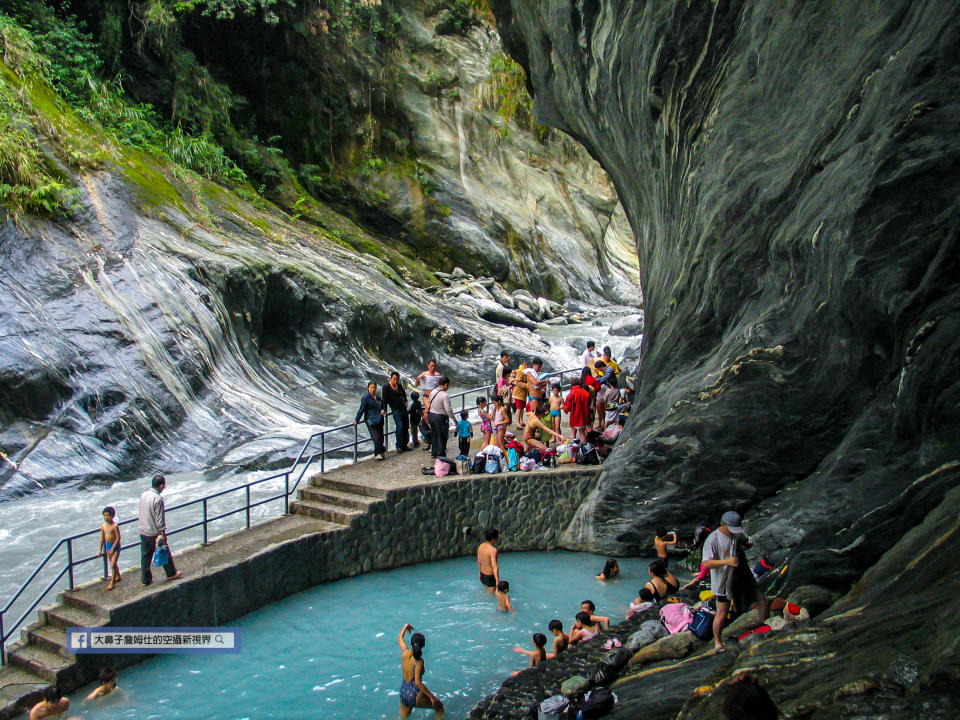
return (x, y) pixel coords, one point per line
(328, 496)
(324, 511)
(50, 637)
(345, 486)
(39, 660)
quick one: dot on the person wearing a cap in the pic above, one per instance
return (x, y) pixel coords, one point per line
(720, 557)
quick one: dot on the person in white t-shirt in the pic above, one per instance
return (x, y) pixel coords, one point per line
(590, 353)
(535, 384)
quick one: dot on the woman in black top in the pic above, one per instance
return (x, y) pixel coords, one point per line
(372, 412)
(395, 399)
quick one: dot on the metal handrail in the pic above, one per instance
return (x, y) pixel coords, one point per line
(288, 490)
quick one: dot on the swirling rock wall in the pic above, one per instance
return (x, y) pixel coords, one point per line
(790, 170)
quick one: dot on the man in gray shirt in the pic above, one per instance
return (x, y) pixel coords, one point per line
(152, 526)
(438, 410)
(720, 558)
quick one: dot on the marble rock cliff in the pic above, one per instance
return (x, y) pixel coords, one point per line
(790, 171)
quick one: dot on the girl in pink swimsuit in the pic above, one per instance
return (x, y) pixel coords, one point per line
(499, 422)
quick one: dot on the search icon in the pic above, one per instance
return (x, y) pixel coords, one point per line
(219, 639)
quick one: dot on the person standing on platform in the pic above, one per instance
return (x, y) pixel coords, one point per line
(372, 412)
(439, 414)
(152, 526)
(395, 398)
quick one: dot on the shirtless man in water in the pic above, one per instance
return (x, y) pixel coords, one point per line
(487, 561)
(52, 705)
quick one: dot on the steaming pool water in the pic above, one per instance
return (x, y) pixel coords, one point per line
(331, 652)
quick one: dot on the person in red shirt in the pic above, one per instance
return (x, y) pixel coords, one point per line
(577, 406)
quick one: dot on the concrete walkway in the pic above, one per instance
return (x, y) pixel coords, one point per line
(327, 503)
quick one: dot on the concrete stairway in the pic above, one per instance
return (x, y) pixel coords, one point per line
(335, 500)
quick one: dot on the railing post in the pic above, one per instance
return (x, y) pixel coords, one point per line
(204, 521)
(3, 639)
(355, 441)
(286, 493)
(70, 561)
(248, 506)
(106, 571)
(323, 452)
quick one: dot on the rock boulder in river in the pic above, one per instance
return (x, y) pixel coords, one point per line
(629, 325)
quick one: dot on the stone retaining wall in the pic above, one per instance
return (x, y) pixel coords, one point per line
(412, 525)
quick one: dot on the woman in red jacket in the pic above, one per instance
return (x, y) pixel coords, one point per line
(577, 406)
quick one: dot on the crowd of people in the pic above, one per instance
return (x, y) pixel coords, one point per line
(522, 397)
(731, 584)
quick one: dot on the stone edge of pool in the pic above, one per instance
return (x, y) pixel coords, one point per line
(420, 523)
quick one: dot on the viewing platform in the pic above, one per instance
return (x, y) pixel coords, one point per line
(354, 519)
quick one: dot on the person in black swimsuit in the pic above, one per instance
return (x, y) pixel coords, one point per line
(662, 582)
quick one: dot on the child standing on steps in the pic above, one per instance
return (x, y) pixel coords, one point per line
(464, 434)
(110, 544)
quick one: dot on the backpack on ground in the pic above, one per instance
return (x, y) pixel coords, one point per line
(599, 702)
(676, 617)
(587, 455)
(465, 466)
(492, 465)
(535, 454)
(444, 466)
(478, 461)
(553, 708)
(513, 459)
(702, 624)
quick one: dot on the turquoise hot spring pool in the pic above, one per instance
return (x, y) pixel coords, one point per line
(331, 653)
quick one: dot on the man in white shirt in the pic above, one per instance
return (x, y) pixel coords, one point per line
(438, 413)
(590, 353)
(152, 526)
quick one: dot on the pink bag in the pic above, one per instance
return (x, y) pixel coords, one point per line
(676, 617)
(443, 467)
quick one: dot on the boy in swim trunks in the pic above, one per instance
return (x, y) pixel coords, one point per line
(487, 561)
(560, 639)
(110, 544)
(556, 404)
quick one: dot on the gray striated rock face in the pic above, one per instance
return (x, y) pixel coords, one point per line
(790, 171)
(139, 335)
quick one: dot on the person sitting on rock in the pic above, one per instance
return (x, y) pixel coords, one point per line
(602, 620)
(560, 639)
(643, 601)
(536, 427)
(538, 654)
(662, 582)
(584, 629)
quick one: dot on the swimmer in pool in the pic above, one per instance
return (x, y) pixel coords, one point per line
(413, 693)
(503, 597)
(487, 561)
(52, 705)
(108, 683)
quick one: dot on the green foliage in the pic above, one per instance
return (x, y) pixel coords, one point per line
(508, 87)
(460, 17)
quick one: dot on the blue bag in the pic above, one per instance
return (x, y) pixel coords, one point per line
(492, 465)
(513, 460)
(161, 556)
(702, 625)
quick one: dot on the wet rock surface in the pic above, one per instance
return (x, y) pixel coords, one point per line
(791, 174)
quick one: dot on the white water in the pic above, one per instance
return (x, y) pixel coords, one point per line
(31, 526)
